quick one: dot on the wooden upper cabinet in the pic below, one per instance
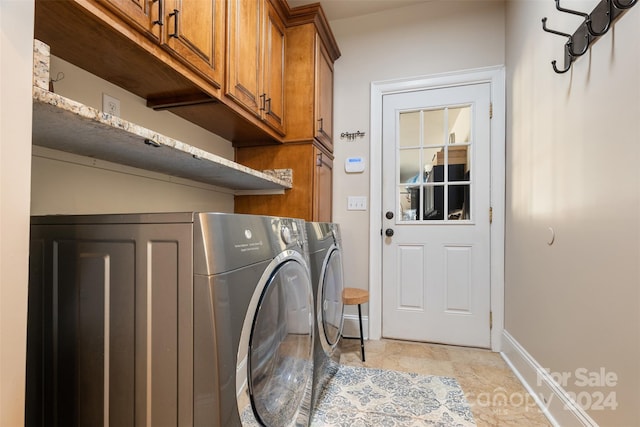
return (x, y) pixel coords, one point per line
(255, 60)
(243, 53)
(142, 14)
(324, 96)
(255, 72)
(273, 76)
(191, 30)
(311, 53)
(194, 31)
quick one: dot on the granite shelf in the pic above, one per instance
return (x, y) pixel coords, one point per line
(66, 125)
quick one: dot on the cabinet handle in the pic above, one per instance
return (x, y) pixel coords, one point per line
(263, 101)
(319, 159)
(267, 105)
(160, 20)
(176, 28)
(320, 129)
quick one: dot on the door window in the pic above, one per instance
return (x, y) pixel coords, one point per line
(434, 164)
(280, 347)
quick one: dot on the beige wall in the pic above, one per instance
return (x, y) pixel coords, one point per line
(425, 39)
(573, 148)
(16, 34)
(67, 184)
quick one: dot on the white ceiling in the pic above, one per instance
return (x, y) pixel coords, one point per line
(340, 9)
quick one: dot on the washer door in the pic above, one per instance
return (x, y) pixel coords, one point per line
(280, 355)
(330, 306)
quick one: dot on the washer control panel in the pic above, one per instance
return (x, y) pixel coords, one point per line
(285, 234)
(292, 232)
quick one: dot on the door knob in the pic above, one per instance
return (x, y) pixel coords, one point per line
(389, 215)
(388, 232)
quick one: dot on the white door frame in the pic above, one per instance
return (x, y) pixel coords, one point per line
(496, 77)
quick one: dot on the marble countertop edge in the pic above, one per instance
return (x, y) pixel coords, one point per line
(221, 171)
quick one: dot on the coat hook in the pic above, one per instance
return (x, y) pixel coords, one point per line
(589, 22)
(569, 43)
(574, 12)
(567, 46)
(587, 18)
(351, 136)
(555, 68)
(586, 46)
(549, 30)
(620, 5)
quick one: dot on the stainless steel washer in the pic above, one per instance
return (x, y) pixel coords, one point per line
(253, 322)
(325, 261)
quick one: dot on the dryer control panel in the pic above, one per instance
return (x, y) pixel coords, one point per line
(285, 233)
(292, 232)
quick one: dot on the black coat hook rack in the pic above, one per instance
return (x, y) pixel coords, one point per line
(593, 26)
(352, 135)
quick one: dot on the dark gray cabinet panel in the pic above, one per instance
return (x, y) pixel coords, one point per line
(93, 331)
(110, 338)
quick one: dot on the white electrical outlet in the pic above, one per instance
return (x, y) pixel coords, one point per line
(110, 105)
(357, 203)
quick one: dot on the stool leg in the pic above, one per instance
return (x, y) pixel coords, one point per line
(361, 335)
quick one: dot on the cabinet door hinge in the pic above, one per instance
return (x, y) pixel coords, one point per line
(490, 320)
(491, 110)
(491, 215)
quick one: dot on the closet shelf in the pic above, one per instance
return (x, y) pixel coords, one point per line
(66, 125)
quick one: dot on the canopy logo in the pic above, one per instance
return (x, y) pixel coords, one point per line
(589, 389)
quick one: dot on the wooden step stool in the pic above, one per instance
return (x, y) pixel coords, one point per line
(352, 296)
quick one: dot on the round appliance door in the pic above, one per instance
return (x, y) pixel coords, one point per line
(330, 306)
(280, 365)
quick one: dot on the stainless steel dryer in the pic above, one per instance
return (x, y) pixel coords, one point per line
(183, 319)
(325, 261)
(253, 322)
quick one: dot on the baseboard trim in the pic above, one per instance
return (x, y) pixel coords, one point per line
(351, 326)
(551, 398)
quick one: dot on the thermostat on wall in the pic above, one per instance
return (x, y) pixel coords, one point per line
(354, 164)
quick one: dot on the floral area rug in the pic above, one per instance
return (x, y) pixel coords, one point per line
(364, 397)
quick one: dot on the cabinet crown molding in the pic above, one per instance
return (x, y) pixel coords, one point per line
(311, 14)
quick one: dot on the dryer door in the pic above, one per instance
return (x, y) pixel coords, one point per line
(330, 306)
(281, 347)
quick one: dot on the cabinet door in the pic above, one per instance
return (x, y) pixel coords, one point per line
(311, 195)
(324, 96)
(296, 202)
(143, 14)
(243, 53)
(111, 325)
(273, 69)
(194, 31)
(323, 187)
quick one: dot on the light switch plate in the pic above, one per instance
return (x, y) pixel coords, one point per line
(357, 203)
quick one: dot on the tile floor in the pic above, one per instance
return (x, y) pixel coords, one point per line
(496, 396)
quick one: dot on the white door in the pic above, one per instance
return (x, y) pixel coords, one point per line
(436, 219)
